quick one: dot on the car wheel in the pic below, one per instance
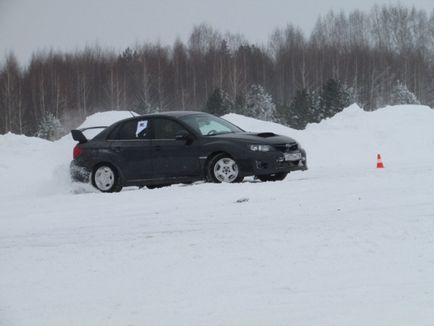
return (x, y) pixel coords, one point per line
(105, 178)
(273, 177)
(223, 168)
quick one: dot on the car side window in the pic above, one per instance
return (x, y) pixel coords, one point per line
(167, 129)
(132, 130)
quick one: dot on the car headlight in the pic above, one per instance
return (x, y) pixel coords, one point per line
(260, 148)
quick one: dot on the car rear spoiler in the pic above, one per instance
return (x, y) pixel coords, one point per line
(77, 134)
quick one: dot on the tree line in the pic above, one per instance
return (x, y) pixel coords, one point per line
(348, 57)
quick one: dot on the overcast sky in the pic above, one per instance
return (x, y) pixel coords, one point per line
(30, 25)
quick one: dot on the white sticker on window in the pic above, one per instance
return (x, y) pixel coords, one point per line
(141, 125)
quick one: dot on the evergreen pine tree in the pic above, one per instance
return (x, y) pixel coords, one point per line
(347, 95)
(300, 110)
(315, 107)
(219, 103)
(240, 104)
(334, 98)
(50, 127)
(259, 104)
(402, 95)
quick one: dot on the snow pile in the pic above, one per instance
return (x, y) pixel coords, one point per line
(402, 134)
(28, 165)
(106, 118)
(34, 166)
(101, 119)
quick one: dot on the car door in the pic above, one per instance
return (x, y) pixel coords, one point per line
(131, 144)
(174, 158)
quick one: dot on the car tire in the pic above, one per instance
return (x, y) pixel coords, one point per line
(105, 178)
(223, 169)
(273, 177)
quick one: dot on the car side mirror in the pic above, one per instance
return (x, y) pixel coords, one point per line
(183, 135)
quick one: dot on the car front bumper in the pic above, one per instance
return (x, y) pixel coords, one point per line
(265, 163)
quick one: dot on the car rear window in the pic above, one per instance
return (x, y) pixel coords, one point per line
(133, 129)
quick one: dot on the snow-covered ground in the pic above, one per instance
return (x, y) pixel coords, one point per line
(340, 244)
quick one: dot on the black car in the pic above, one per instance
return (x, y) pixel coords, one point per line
(180, 147)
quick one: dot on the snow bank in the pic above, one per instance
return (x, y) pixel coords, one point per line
(34, 166)
(106, 118)
(100, 119)
(27, 164)
(350, 140)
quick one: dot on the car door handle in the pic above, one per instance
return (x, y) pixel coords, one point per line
(116, 149)
(157, 148)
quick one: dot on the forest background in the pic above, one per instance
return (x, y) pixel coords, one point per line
(384, 56)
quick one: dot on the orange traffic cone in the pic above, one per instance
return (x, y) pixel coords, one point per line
(380, 164)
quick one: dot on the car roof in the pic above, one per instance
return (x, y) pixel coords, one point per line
(175, 114)
(172, 114)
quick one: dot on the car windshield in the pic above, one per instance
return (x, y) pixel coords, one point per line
(209, 125)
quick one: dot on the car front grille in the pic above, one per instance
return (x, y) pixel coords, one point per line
(286, 147)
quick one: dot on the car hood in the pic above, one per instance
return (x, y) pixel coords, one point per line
(256, 138)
